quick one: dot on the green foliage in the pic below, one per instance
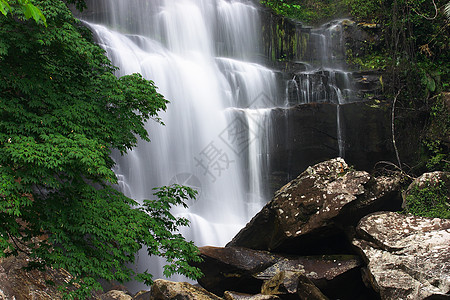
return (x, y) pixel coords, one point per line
(436, 138)
(429, 201)
(371, 61)
(364, 10)
(413, 52)
(308, 11)
(24, 7)
(415, 35)
(94, 234)
(62, 112)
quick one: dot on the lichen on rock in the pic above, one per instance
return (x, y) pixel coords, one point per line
(407, 257)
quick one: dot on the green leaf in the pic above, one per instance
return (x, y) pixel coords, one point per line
(4, 7)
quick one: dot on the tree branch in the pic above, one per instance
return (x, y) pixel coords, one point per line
(425, 17)
(393, 130)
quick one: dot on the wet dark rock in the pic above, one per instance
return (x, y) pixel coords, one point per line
(233, 269)
(308, 215)
(407, 257)
(306, 290)
(361, 38)
(245, 270)
(307, 134)
(292, 285)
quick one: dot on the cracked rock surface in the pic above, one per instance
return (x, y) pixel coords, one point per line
(307, 215)
(407, 257)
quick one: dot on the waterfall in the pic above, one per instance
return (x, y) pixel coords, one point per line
(205, 58)
(325, 79)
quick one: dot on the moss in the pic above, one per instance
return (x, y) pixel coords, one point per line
(431, 201)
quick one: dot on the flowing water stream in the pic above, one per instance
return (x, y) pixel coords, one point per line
(204, 56)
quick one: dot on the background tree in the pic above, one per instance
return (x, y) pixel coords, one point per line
(62, 111)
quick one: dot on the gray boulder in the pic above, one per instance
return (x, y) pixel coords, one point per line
(308, 215)
(407, 257)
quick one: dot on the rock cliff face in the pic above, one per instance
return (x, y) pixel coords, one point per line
(307, 134)
(316, 78)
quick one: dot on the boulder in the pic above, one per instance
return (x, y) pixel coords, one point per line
(307, 216)
(18, 283)
(245, 270)
(142, 295)
(407, 257)
(241, 296)
(168, 290)
(306, 290)
(284, 282)
(115, 295)
(295, 285)
(438, 185)
(233, 269)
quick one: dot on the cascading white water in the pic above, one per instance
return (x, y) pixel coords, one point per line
(325, 79)
(202, 56)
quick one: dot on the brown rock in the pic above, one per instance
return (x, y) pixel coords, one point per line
(293, 284)
(19, 284)
(142, 295)
(306, 290)
(284, 282)
(232, 269)
(167, 290)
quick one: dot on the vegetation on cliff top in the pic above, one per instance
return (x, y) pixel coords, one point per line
(62, 111)
(307, 11)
